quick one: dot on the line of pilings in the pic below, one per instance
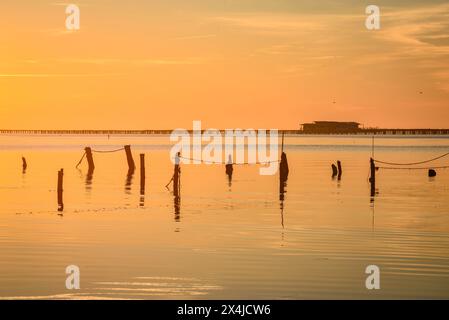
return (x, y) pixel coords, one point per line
(365, 131)
(283, 172)
(91, 167)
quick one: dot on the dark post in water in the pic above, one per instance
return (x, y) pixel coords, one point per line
(90, 159)
(283, 165)
(60, 189)
(372, 178)
(176, 176)
(129, 158)
(24, 164)
(340, 170)
(334, 170)
(142, 174)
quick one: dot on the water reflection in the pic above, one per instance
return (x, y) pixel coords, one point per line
(282, 185)
(177, 206)
(89, 178)
(129, 180)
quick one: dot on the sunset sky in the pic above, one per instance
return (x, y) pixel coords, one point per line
(139, 64)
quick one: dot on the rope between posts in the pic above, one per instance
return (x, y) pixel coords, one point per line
(411, 163)
(98, 151)
(108, 151)
(422, 168)
(233, 163)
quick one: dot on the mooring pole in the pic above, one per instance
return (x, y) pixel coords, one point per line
(129, 158)
(142, 174)
(24, 164)
(372, 178)
(282, 144)
(90, 158)
(340, 170)
(283, 167)
(60, 190)
(176, 180)
(176, 174)
(334, 170)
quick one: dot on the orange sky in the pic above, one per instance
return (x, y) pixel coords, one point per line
(247, 63)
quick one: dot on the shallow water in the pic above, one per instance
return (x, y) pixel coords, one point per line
(222, 241)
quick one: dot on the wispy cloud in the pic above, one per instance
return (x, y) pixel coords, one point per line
(411, 34)
(131, 61)
(195, 37)
(55, 75)
(270, 23)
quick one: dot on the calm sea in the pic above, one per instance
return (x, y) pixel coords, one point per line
(222, 240)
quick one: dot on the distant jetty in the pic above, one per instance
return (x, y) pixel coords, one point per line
(317, 127)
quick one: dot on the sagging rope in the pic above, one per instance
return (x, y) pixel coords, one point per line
(411, 163)
(233, 163)
(98, 151)
(108, 151)
(421, 168)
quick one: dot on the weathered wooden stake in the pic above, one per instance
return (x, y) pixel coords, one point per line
(283, 167)
(229, 169)
(372, 178)
(176, 180)
(142, 173)
(90, 159)
(282, 145)
(340, 171)
(334, 170)
(24, 164)
(129, 158)
(60, 190)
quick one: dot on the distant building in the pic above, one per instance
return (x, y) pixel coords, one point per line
(330, 127)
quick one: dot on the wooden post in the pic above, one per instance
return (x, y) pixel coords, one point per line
(229, 170)
(24, 164)
(283, 167)
(129, 158)
(334, 170)
(142, 174)
(372, 178)
(282, 145)
(340, 171)
(90, 159)
(60, 190)
(176, 180)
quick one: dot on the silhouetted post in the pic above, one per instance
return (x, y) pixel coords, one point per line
(229, 169)
(372, 178)
(24, 164)
(176, 174)
(283, 167)
(340, 171)
(129, 158)
(334, 170)
(60, 190)
(90, 159)
(282, 144)
(142, 174)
